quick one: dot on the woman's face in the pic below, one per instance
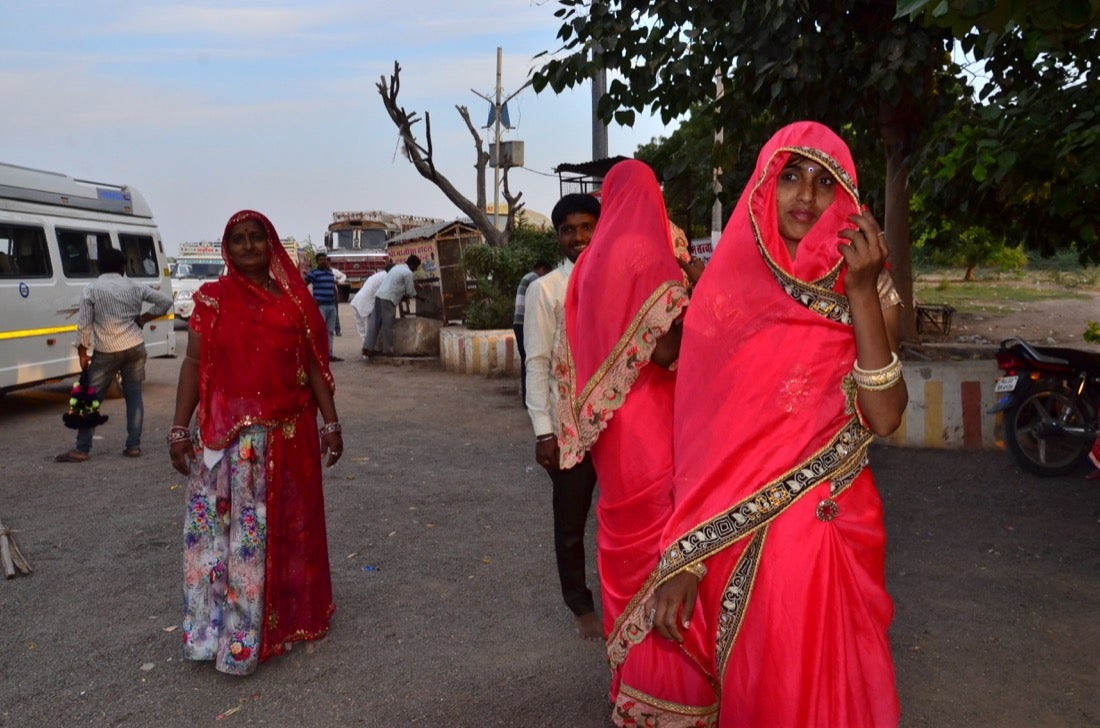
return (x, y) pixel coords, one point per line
(248, 247)
(803, 192)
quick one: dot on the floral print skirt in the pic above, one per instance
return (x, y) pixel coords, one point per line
(224, 549)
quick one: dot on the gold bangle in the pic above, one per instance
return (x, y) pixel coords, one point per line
(876, 380)
(698, 569)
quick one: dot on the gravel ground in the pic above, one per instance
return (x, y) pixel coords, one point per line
(448, 610)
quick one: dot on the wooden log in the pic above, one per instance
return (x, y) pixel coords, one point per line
(11, 558)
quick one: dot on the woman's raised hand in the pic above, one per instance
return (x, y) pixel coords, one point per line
(865, 252)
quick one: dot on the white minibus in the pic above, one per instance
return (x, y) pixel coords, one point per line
(53, 230)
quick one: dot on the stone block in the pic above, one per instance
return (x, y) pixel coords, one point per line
(416, 336)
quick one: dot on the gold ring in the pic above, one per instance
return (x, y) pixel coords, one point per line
(881, 234)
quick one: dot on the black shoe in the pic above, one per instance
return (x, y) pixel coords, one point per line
(335, 358)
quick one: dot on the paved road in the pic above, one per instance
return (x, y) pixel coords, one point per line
(442, 561)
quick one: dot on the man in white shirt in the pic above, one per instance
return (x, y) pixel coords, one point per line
(362, 305)
(396, 286)
(574, 218)
(110, 315)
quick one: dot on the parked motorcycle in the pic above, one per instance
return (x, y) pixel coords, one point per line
(1050, 397)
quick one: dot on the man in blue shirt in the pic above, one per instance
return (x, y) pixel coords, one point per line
(322, 281)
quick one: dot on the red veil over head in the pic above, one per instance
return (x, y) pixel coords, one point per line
(632, 290)
(241, 373)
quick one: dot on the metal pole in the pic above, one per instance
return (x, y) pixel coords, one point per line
(496, 149)
(599, 128)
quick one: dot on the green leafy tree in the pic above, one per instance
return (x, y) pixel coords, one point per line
(847, 63)
(497, 271)
(1020, 158)
(1009, 147)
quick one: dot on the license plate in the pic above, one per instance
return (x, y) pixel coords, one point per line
(1005, 384)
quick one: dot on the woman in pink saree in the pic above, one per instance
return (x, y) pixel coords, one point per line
(621, 334)
(772, 574)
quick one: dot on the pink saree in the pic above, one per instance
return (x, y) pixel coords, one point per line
(625, 292)
(771, 488)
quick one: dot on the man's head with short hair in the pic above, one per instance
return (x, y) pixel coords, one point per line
(542, 267)
(322, 260)
(413, 262)
(112, 261)
(574, 219)
(571, 203)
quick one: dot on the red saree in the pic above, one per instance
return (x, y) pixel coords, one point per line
(257, 351)
(624, 294)
(771, 489)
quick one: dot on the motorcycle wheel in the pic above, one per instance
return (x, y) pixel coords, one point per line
(1047, 454)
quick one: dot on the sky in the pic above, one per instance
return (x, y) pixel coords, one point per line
(211, 106)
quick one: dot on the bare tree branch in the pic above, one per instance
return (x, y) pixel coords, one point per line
(422, 158)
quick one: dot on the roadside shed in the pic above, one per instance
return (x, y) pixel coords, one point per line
(441, 278)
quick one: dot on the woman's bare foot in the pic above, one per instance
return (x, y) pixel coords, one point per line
(588, 626)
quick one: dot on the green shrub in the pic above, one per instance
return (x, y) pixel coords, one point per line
(497, 271)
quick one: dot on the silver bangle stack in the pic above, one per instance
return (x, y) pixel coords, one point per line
(328, 428)
(877, 380)
(177, 433)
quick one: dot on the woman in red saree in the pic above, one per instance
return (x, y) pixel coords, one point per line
(788, 365)
(621, 334)
(256, 571)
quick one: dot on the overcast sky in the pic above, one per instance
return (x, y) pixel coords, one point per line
(210, 106)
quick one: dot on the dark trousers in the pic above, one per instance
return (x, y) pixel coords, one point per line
(518, 328)
(573, 490)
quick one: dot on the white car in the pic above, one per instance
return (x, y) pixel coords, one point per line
(187, 275)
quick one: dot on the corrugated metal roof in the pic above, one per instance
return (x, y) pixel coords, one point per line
(428, 231)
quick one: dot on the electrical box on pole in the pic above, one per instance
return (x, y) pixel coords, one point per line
(511, 154)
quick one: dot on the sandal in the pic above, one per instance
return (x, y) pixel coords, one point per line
(71, 456)
(132, 452)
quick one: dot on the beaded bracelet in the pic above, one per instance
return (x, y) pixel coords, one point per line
(876, 380)
(177, 433)
(328, 428)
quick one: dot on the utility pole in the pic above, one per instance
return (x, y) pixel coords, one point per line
(498, 108)
(599, 128)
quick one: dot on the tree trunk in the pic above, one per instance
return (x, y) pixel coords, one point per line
(895, 136)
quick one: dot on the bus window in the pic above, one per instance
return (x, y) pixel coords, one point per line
(141, 255)
(23, 252)
(80, 251)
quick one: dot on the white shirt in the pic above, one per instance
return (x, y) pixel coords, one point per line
(542, 318)
(363, 300)
(108, 308)
(397, 284)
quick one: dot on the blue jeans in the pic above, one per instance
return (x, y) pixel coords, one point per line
(130, 364)
(328, 312)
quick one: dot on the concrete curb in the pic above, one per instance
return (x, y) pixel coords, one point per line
(947, 408)
(491, 352)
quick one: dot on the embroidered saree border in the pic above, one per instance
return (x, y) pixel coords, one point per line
(735, 600)
(636, 708)
(841, 459)
(581, 419)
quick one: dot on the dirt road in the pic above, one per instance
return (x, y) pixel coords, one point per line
(447, 603)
